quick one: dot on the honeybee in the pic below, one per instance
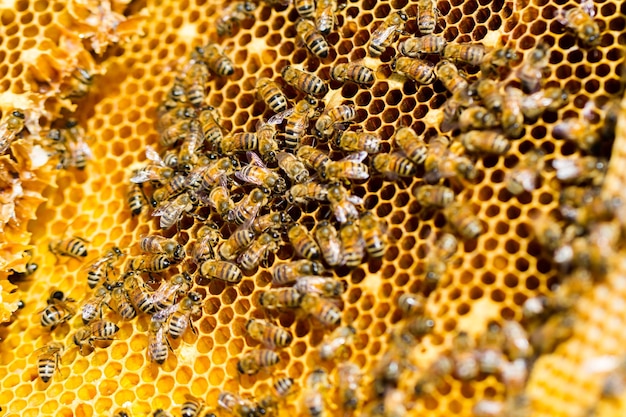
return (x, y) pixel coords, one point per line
(435, 264)
(434, 376)
(316, 159)
(270, 335)
(495, 59)
(531, 71)
(217, 61)
(411, 144)
(354, 72)
(154, 171)
(73, 247)
(434, 195)
(175, 96)
(169, 116)
(280, 298)
(154, 262)
(351, 167)
(325, 16)
(373, 234)
(547, 99)
(122, 304)
(99, 268)
(348, 380)
(286, 273)
(512, 117)
(426, 16)
(303, 242)
(516, 343)
(586, 169)
(180, 317)
(580, 21)
(274, 221)
(252, 362)
(343, 203)
(283, 386)
(192, 407)
(48, 360)
(257, 173)
(358, 141)
(450, 77)
(271, 93)
(207, 238)
(259, 250)
(305, 8)
(490, 142)
(267, 144)
(16, 277)
(472, 54)
(489, 354)
(394, 165)
(166, 294)
(79, 84)
(213, 173)
(99, 330)
(239, 142)
(297, 121)
(158, 345)
(92, 308)
(292, 166)
(465, 363)
(175, 132)
(236, 405)
(79, 152)
(306, 82)
(441, 162)
(329, 243)
(488, 91)
(316, 388)
(210, 120)
(219, 199)
(428, 44)
(171, 188)
(579, 131)
(387, 33)
(324, 286)
(172, 211)
(196, 78)
(412, 304)
(478, 117)
(307, 33)
(417, 70)
(462, 219)
(159, 412)
(160, 244)
(333, 118)
(57, 311)
(335, 346)
(139, 293)
(236, 243)
(300, 193)
(248, 207)
(223, 270)
(525, 174)
(557, 329)
(417, 327)
(353, 244)
(232, 15)
(194, 139)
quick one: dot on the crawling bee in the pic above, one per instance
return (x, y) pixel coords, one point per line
(462, 219)
(578, 130)
(324, 286)
(257, 173)
(271, 93)
(193, 407)
(270, 221)
(219, 198)
(426, 16)
(428, 44)
(101, 267)
(139, 293)
(301, 193)
(354, 72)
(489, 142)
(158, 345)
(79, 84)
(280, 298)
(547, 99)
(92, 308)
(329, 243)
(160, 244)
(303, 242)
(268, 334)
(343, 204)
(176, 130)
(73, 247)
(434, 195)
(412, 304)
(586, 169)
(333, 118)
(472, 54)
(489, 353)
(335, 346)
(306, 82)
(259, 250)
(478, 117)
(165, 296)
(236, 243)
(417, 70)
(441, 162)
(222, 270)
(194, 140)
(156, 170)
(217, 61)
(252, 362)
(394, 165)
(462, 352)
(305, 8)
(207, 238)
(351, 167)
(170, 189)
(73, 138)
(325, 311)
(16, 277)
(580, 21)
(267, 144)
(387, 33)
(526, 173)
(353, 244)
(247, 209)
(531, 71)
(196, 78)
(297, 121)
(358, 141)
(286, 273)
(180, 314)
(172, 211)
(232, 15)
(512, 117)
(373, 231)
(315, 391)
(489, 91)
(135, 198)
(436, 263)
(57, 311)
(212, 174)
(48, 360)
(516, 343)
(450, 77)
(154, 262)
(325, 16)
(210, 121)
(411, 144)
(99, 330)
(496, 59)
(293, 167)
(308, 34)
(316, 159)
(348, 379)
(236, 405)
(122, 305)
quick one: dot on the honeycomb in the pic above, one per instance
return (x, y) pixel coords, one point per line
(488, 279)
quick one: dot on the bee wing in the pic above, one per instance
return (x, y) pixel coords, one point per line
(80, 147)
(142, 176)
(153, 155)
(527, 179)
(278, 118)
(94, 263)
(164, 207)
(354, 199)
(356, 156)
(566, 169)
(255, 159)
(381, 35)
(587, 6)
